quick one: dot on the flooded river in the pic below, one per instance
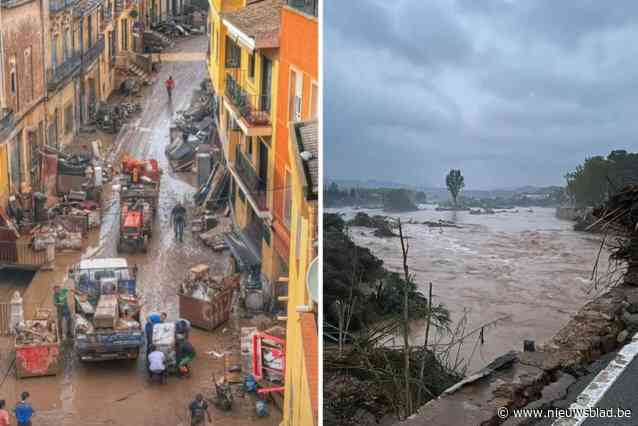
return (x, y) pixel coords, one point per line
(526, 266)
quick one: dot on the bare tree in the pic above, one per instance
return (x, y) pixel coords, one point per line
(405, 248)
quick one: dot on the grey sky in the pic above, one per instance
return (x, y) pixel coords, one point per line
(513, 92)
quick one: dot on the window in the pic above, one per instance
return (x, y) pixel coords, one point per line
(66, 50)
(54, 51)
(13, 77)
(90, 30)
(125, 34)
(266, 234)
(300, 230)
(288, 199)
(296, 81)
(314, 101)
(233, 54)
(28, 70)
(68, 119)
(251, 66)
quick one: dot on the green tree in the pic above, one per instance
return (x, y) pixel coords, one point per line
(399, 200)
(455, 182)
(589, 184)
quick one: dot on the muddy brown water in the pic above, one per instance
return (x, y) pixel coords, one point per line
(118, 392)
(527, 267)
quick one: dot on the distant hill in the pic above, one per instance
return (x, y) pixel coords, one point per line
(435, 194)
(368, 184)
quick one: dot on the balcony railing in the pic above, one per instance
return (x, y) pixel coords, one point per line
(255, 109)
(253, 183)
(13, 3)
(6, 119)
(57, 75)
(107, 17)
(92, 53)
(59, 5)
(309, 7)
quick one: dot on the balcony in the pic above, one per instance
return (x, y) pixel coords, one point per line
(6, 119)
(107, 18)
(56, 6)
(7, 4)
(254, 109)
(251, 181)
(309, 7)
(89, 56)
(63, 71)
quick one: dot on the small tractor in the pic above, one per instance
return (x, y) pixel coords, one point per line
(139, 197)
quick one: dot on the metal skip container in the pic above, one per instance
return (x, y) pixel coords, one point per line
(209, 314)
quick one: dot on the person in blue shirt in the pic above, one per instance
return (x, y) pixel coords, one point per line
(23, 410)
(153, 319)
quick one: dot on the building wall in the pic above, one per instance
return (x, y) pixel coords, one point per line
(24, 88)
(298, 51)
(301, 377)
(230, 139)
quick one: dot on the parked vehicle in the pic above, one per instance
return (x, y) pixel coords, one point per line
(106, 323)
(139, 196)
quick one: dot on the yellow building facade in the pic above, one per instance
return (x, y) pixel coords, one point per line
(301, 383)
(243, 66)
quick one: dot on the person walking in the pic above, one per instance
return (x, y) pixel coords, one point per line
(178, 220)
(23, 410)
(199, 411)
(4, 414)
(170, 85)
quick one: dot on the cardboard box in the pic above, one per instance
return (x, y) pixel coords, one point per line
(198, 272)
(106, 313)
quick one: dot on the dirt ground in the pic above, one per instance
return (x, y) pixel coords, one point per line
(119, 393)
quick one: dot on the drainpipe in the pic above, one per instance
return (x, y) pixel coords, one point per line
(45, 130)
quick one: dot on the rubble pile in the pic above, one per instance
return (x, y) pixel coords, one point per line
(110, 117)
(201, 285)
(58, 236)
(619, 217)
(192, 129)
(33, 332)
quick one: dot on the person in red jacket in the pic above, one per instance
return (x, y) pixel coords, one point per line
(170, 85)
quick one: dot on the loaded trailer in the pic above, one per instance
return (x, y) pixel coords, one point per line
(107, 312)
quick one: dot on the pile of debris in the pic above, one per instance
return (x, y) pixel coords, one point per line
(174, 28)
(56, 235)
(193, 129)
(618, 217)
(200, 284)
(110, 117)
(33, 332)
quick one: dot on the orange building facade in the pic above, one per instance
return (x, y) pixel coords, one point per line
(298, 92)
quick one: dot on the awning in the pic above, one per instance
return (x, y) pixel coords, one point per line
(246, 258)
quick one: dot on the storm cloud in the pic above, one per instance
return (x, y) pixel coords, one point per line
(512, 92)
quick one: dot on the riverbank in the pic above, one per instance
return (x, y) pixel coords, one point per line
(540, 379)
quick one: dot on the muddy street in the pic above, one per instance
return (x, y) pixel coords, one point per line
(119, 393)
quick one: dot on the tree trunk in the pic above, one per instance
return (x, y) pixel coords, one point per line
(425, 343)
(406, 318)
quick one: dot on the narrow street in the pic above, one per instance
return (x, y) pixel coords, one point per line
(119, 393)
